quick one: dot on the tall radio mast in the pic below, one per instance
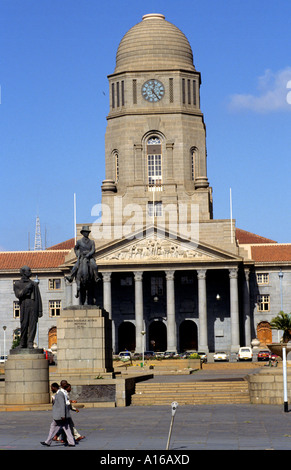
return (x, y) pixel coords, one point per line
(37, 238)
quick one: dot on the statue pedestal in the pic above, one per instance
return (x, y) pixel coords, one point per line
(84, 340)
(26, 377)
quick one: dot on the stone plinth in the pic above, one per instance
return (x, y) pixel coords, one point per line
(26, 377)
(267, 386)
(84, 340)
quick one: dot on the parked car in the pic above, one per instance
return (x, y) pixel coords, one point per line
(186, 354)
(264, 355)
(245, 354)
(160, 354)
(125, 356)
(136, 356)
(220, 356)
(3, 359)
(170, 354)
(149, 354)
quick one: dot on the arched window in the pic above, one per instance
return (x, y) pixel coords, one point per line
(154, 160)
(116, 166)
(52, 336)
(193, 163)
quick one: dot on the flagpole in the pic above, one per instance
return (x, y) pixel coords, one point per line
(75, 219)
(154, 204)
(231, 230)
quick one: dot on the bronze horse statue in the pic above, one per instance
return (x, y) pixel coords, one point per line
(85, 270)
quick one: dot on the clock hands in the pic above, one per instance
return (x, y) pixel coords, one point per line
(153, 90)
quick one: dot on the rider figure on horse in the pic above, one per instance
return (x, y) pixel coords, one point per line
(84, 248)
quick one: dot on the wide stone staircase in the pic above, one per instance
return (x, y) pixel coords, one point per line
(192, 393)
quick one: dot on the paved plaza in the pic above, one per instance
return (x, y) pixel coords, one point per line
(136, 430)
(195, 427)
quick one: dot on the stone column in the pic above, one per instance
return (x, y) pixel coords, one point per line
(171, 321)
(107, 293)
(139, 324)
(107, 302)
(234, 309)
(202, 310)
(247, 316)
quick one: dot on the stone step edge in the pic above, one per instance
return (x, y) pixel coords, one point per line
(48, 406)
(192, 386)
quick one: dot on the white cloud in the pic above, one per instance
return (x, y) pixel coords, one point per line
(274, 94)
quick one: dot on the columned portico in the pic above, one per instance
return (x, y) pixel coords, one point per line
(171, 320)
(151, 284)
(202, 310)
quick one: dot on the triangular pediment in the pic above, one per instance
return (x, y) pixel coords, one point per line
(153, 246)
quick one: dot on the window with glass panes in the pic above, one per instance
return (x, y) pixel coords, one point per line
(263, 302)
(16, 309)
(157, 286)
(154, 156)
(54, 308)
(54, 284)
(263, 278)
(155, 209)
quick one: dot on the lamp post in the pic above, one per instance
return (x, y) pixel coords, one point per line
(37, 331)
(142, 333)
(4, 342)
(285, 381)
(281, 291)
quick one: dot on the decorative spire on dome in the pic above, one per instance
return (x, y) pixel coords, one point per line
(153, 15)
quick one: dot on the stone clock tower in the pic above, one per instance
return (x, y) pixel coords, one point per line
(155, 139)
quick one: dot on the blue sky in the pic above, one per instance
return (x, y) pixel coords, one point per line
(55, 58)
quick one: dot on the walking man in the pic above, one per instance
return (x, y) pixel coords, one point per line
(61, 418)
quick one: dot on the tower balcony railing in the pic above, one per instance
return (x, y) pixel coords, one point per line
(155, 186)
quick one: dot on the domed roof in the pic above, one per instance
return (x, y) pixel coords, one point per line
(154, 44)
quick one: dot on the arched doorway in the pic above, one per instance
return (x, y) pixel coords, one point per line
(264, 333)
(126, 336)
(52, 336)
(188, 335)
(157, 336)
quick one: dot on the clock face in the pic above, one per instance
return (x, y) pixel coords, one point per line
(153, 90)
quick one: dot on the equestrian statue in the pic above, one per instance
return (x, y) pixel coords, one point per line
(85, 270)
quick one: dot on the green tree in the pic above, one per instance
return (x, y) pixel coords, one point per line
(282, 322)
